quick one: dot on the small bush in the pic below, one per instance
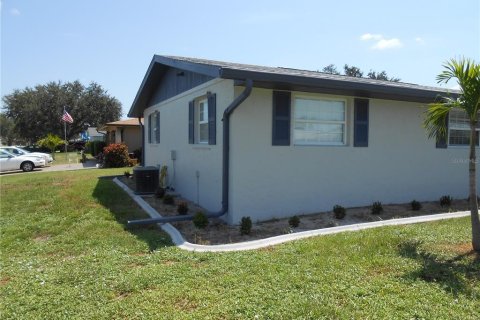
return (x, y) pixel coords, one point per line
(445, 201)
(339, 211)
(127, 174)
(116, 155)
(415, 205)
(245, 226)
(160, 192)
(294, 221)
(200, 220)
(182, 208)
(377, 207)
(168, 199)
(138, 154)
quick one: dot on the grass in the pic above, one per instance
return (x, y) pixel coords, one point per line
(65, 253)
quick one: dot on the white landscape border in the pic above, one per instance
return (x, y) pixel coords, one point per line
(180, 242)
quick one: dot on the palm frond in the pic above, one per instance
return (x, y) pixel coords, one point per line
(436, 115)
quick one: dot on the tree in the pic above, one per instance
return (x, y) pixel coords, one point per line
(467, 74)
(51, 142)
(7, 134)
(352, 71)
(38, 111)
(381, 76)
(331, 68)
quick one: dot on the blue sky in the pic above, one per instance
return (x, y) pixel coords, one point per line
(112, 41)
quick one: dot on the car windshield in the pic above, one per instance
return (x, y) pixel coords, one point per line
(23, 150)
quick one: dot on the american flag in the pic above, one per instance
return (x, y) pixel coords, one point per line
(67, 117)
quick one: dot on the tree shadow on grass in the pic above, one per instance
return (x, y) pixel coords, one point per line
(456, 275)
(123, 208)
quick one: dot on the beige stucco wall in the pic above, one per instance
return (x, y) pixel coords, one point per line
(399, 165)
(206, 160)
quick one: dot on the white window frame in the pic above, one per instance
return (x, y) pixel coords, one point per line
(320, 98)
(451, 126)
(201, 122)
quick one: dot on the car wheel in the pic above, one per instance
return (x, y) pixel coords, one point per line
(27, 166)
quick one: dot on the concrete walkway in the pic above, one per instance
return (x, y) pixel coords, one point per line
(180, 242)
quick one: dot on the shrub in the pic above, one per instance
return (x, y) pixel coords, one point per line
(245, 226)
(138, 154)
(160, 192)
(339, 211)
(115, 155)
(168, 199)
(182, 208)
(377, 207)
(294, 221)
(415, 205)
(95, 147)
(200, 220)
(445, 201)
(127, 174)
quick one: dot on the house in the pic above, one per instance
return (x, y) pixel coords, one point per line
(94, 135)
(126, 131)
(245, 140)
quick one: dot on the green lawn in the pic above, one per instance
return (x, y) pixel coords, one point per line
(65, 253)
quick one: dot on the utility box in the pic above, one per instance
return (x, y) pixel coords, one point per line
(146, 179)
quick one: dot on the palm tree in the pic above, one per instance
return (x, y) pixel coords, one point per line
(467, 73)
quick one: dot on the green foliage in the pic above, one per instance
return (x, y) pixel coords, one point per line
(331, 69)
(163, 176)
(182, 208)
(339, 212)
(446, 201)
(381, 76)
(51, 142)
(377, 207)
(160, 192)
(415, 205)
(200, 220)
(37, 111)
(115, 155)
(245, 226)
(168, 199)
(352, 71)
(294, 221)
(95, 147)
(127, 174)
(7, 132)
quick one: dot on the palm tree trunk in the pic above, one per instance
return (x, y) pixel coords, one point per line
(473, 190)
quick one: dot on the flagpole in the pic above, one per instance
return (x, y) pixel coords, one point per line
(65, 130)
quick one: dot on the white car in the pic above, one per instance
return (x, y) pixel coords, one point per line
(27, 163)
(17, 151)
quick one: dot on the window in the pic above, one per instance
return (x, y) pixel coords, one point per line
(459, 128)
(154, 127)
(203, 121)
(319, 122)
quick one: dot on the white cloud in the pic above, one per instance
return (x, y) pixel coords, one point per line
(387, 44)
(419, 41)
(381, 43)
(14, 12)
(369, 36)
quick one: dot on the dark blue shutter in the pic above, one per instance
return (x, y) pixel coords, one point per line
(281, 118)
(150, 128)
(360, 123)
(157, 126)
(442, 141)
(212, 118)
(191, 122)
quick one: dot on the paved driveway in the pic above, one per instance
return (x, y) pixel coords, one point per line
(90, 164)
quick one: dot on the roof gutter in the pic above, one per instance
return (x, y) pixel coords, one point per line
(225, 163)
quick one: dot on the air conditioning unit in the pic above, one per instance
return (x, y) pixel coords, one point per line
(146, 179)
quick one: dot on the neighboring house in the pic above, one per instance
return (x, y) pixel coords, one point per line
(298, 142)
(95, 135)
(124, 131)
